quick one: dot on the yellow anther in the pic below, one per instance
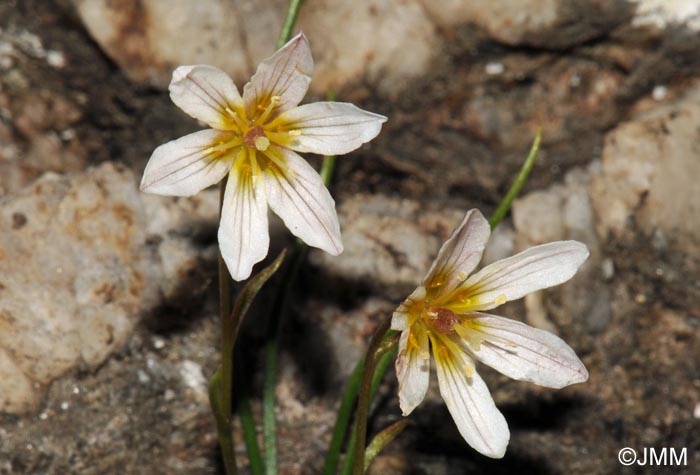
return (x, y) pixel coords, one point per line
(261, 143)
(469, 369)
(462, 275)
(424, 355)
(501, 299)
(274, 102)
(294, 133)
(431, 314)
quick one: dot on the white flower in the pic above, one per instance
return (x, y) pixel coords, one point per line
(445, 313)
(253, 140)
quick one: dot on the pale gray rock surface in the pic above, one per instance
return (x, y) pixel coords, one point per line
(388, 241)
(74, 277)
(351, 41)
(363, 41)
(645, 162)
(543, 23)
(150, 38)
(660, 14)
(83, 260)
(561, 212)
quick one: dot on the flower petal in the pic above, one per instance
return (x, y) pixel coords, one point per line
(296, 193)
(522, 352)
(286, 74)
(186, 166)
(468, 399)
(412, 369)
(533, 269)
(243, 233)
(406, 314)
(460, 254)
(207, 94)
(326, 128)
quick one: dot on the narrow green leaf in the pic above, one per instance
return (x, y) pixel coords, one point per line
(343, 419)
(383, 439)
(247, 295)
(250, 436)
(289, 21)
(517, 185)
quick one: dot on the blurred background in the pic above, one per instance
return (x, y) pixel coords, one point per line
(108, 307)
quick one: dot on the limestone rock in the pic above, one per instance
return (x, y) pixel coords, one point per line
(561, 212)
(74, 277)
(383, 42)
(184, 233)
(660, 14)
(645, 163)
(351, 41)
(389, 242)
(542, 23)
(150, 38)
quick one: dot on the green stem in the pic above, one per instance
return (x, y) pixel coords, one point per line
(327, 168)
(518, 184)
(348, 462)
(289, 21)
(272, 356)
(227, 340)
(341, 423)
(223, 427)
(249, 435)
(382, 367)
(378, 347)
(349, 398)
(383, 439)
(328, 165)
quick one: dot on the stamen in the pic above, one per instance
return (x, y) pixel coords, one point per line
(255, 167)
(274, 102)
(224, 146)
(469, 369)
(501, 299)
(295, 133)
(239, 121)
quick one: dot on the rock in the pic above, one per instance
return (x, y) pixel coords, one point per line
(660, 14)
(83, 259)
(562, 212)
(150, 38)
(184, 232)
(386, 43)
(645, 162)
(74, 277)
(388, 242)
(556, 92)
(351, 42)
(345, 332)
(36, 122)
(554, 24)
